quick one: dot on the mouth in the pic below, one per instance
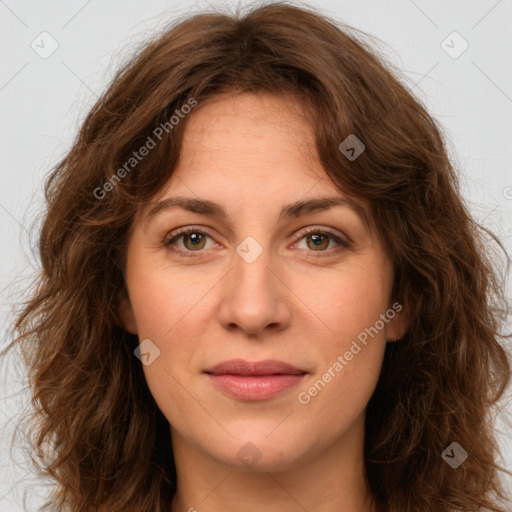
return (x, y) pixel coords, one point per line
(252, 381)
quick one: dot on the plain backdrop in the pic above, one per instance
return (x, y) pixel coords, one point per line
(455, 55)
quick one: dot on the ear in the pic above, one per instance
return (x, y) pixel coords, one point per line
(397, 325)
(125, 314)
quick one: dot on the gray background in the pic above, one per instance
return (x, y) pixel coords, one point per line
(43, 101)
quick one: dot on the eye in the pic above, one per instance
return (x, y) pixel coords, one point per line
(317, 240)
(193, 240)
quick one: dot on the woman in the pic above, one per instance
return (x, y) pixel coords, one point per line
(261, 289)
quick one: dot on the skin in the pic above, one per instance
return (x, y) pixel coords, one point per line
(254, 154)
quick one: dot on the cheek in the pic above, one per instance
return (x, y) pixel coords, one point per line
(352, 349)
(164, 300)
(347, 303)
(174, 318)
(348, 370)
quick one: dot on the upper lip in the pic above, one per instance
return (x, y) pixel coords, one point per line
(242, 367)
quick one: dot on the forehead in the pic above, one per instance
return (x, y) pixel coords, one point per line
(249, 147)
(274, 129)
(249, 151)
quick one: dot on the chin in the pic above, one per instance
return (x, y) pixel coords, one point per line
(259, 451)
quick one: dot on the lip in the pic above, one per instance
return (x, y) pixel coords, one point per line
(242, 367)
(253, 381)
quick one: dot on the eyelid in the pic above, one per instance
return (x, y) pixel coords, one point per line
(335, 234)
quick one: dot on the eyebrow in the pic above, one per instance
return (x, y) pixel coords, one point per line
(296, 209)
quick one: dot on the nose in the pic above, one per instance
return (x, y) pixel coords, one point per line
(254, 297)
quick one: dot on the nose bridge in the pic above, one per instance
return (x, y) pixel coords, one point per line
(253, 298)
(251, 277)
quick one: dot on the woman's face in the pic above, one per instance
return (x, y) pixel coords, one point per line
(253, 285)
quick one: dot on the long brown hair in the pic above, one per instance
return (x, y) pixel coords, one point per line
(438, 384)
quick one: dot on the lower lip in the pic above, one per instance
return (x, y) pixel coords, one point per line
(252, 387)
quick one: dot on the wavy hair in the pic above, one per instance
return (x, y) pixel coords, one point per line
(439, 384)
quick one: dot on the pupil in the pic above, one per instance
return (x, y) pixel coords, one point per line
(195, 237)
(319, 240)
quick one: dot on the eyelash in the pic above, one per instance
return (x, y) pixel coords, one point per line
(343, 244)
